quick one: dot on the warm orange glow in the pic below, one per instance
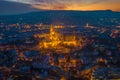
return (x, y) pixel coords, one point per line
(56, 39)
(75, 6)
(59, 42)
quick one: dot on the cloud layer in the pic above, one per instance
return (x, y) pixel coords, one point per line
(7, 7)
(57, 4)
(71, 4)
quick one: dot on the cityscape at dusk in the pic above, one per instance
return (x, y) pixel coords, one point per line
(59, 40)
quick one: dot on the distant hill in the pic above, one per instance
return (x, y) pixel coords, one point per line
(105, 17)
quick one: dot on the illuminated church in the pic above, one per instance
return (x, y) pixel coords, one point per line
(57, 40)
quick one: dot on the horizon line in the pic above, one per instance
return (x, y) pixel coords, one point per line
(57, 10)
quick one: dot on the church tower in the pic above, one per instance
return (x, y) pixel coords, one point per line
(87, 25)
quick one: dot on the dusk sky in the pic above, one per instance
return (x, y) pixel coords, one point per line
(20, 6)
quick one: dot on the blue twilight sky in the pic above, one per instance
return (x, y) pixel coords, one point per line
(22, 6)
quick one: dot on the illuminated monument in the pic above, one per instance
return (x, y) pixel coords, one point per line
(60, 42)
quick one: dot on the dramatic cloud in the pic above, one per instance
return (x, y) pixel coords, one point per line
(70, 4)
(74, 4)
(57, 4)
(15, 6)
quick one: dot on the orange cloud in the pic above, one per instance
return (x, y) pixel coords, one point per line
(112, 5)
